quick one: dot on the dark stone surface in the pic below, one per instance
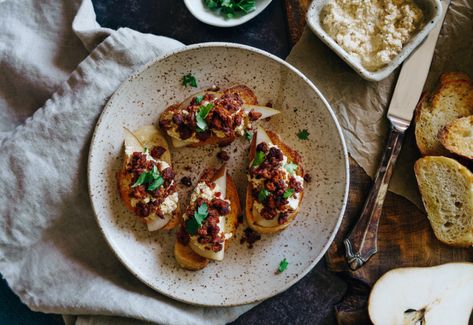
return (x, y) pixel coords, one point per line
(311, 300)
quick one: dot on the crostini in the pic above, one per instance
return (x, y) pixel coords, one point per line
(209, 221)
(146, 180)
(275, 183)
(213, 117)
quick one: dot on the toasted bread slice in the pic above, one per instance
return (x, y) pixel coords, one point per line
(457, 136)
(146, 137)
(250, 102)
(447, 192)
(294, 157)
(452, 99)
(189, 256)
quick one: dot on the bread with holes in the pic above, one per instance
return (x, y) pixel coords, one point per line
(446, 187)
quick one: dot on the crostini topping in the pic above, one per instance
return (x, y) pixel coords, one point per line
(204, 218)
(221, 115)
(153, 190)
(276, 186)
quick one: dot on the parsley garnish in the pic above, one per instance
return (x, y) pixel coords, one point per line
(194, 223)
(290, 167)
(288, 193)
(229, 8)
(145, 150)
(151, 178)
(262, 195)
(201, 115)
(198, 99)
(189, 80)
(248, 135)
(259, 158)
(303, 134)
(283, 266)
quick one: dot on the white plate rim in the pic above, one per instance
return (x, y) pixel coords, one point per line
(327, 106)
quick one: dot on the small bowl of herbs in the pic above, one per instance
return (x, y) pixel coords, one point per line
(225, 13)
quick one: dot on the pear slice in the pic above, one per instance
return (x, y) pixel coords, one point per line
(264, 110)
(436, 295)
(220, 180)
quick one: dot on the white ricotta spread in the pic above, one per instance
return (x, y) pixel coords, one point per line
(374, 31)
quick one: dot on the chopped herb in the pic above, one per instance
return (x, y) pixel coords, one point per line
(303, 134)
(145, 150)
(290, 167)
(156, 184)
(189, 80)
(288, 193)
(283, 266)
(194, 223)
(229, 8)
(262, 195)
(152, 178)
(201, 115)
(198, 99)
(259, 158)
(248, 135)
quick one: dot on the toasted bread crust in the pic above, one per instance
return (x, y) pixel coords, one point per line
(457, 137)
(452, 99)
(149, 140)
(245, 93)
(192, 261)
(293, 156)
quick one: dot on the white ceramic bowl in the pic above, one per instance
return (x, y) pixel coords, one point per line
(207, 16)
(432, 10)
(245, 275)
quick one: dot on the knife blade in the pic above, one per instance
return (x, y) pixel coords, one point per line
(411, 80)
(361, 243)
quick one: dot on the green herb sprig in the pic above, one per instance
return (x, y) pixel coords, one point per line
(201, 115)
(262, 195)
(283, 266)
(259, 158)
(151, 178)
(288, 193)
(195, 222)
(303, 134)
(189, 80)
(229, 8)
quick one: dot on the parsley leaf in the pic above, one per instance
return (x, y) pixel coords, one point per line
(201, 115)
(152, 178)
(248, 135)
(198, 99)
(283, 265)
(230, 8)
(303, 134)
(262, 195)
(189, 80)
(259, 158)
(290, 168)
(288, 193)
(194, 223)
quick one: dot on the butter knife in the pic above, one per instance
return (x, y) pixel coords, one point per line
(361, 243)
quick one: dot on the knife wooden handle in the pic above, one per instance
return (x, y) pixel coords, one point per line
(361, 243)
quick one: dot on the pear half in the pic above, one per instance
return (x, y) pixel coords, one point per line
(435, 295)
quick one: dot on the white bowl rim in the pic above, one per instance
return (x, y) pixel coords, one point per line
(217, 22)
(327, 106)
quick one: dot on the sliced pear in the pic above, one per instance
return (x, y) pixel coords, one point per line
(132, 143)
(264, 110)
(436, 295)
(220, 179)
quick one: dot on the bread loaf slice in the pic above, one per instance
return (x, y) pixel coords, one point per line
(457, 136)
(446, 187)
(452, 99)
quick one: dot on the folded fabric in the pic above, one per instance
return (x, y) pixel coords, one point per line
(51, 251)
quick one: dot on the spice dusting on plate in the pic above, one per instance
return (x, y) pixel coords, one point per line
(374, 31)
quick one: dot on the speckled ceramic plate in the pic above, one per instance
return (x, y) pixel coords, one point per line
(245, 275)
